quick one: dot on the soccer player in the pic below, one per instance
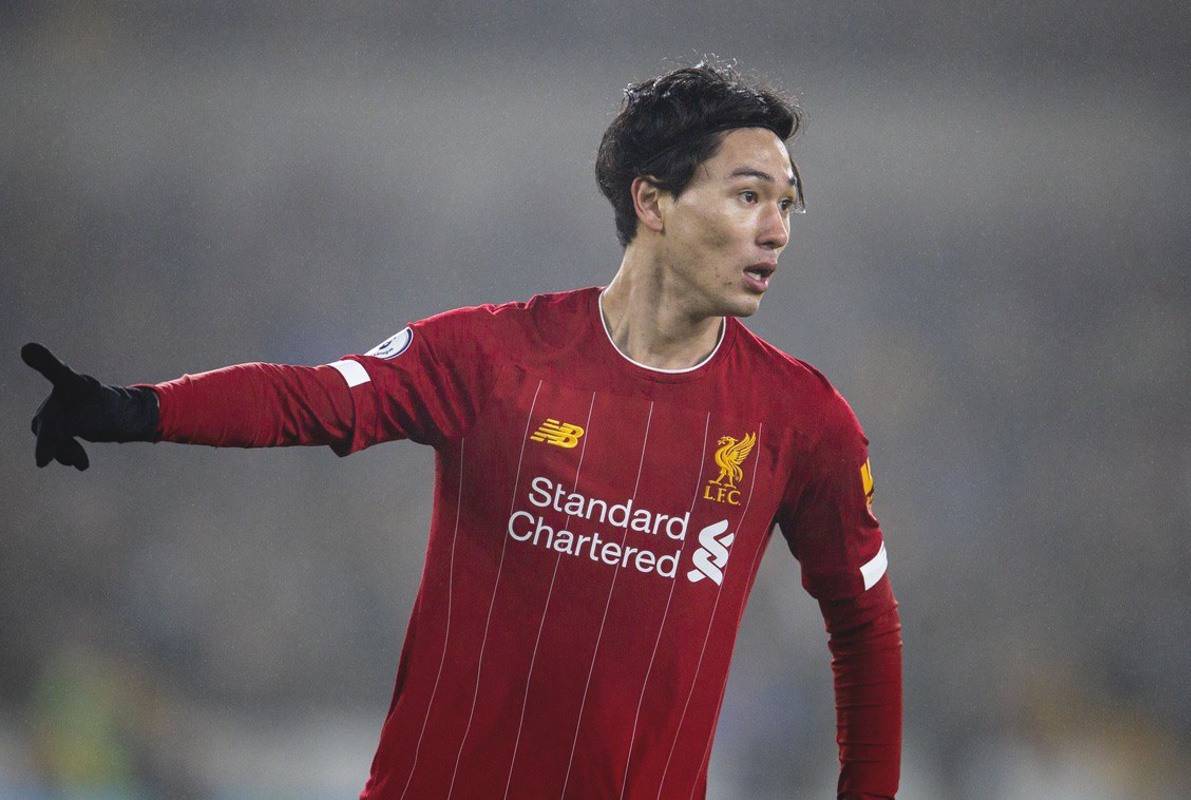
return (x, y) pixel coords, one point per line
(610, 464)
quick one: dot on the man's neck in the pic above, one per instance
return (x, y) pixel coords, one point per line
(649, 322)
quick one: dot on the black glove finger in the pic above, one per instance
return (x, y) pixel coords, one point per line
(72, 454)
(35, 424)
(45, 362)
(47, 425)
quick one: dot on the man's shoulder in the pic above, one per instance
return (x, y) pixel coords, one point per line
(776, 364)
(507, 324)
(792, 379)
(544, 305)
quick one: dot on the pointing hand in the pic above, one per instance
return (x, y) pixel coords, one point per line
(81, 406)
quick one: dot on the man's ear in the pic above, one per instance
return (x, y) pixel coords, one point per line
(647, 202)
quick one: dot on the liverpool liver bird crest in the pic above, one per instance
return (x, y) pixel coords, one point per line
(730, 455)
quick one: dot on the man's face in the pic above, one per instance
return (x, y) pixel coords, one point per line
(722, 236)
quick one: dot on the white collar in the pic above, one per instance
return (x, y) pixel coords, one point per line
(608, 333)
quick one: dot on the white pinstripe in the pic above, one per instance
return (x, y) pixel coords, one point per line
(756, 563)
(607, 604)
(491, 603)
(636, 716)
(546, 608)
(447, 637)
(710, 621)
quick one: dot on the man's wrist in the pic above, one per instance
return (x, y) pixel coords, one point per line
(125, 414)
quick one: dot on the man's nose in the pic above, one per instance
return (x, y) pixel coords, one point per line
(775, 228)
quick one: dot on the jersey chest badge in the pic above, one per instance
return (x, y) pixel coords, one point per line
(729, 457)
(563, 434)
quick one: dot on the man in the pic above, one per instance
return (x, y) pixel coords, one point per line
(610, 466)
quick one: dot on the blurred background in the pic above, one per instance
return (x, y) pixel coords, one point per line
(993, 269)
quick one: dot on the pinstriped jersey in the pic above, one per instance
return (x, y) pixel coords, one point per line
(597, 527)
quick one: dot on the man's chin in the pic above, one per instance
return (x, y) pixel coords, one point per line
(743, 306)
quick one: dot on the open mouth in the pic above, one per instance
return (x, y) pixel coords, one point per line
(757, 276)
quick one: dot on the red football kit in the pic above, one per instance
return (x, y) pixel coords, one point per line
(597, 527)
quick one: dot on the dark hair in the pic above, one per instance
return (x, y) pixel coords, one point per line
(670, 124)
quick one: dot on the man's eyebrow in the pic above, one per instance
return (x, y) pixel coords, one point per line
(750, 172)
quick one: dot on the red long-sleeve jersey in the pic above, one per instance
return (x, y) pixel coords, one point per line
(596, 531)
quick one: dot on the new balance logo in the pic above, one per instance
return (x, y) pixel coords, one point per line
(712, 554)
(563, 434)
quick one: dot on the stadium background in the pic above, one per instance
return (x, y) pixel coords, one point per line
(993, 269)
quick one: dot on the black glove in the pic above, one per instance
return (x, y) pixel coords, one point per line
(81, 406)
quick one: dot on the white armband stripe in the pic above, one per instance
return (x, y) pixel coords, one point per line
(352, 371)
(872, 570)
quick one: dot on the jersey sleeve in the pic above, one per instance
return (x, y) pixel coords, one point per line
(426, 383)
(254, 405)
(826, 513)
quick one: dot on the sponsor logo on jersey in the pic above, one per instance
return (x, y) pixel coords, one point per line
(647, 544)
(563, 434)
(866, 480)
(729, 457)
(394, 346)
(712, 555)
(560, 519)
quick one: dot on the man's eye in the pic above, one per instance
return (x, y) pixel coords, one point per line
(787, 204)
(749, 196)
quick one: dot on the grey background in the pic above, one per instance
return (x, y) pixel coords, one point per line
(993, 270)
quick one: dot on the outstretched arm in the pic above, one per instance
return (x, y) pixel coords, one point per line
(425, 383)
(256, 405)
(247, 405)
